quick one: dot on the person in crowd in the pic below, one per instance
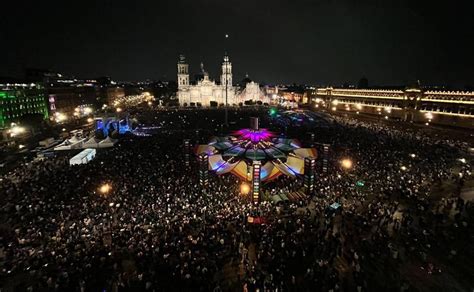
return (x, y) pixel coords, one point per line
(158, 229)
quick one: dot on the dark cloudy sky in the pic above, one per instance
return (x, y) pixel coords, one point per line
(302, 41)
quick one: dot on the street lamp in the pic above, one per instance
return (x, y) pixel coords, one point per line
(60, 117)
(244, 189)
(105, 188)
(346, 163)
(16, 130)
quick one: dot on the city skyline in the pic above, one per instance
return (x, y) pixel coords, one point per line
(324, 42)
(236, 145)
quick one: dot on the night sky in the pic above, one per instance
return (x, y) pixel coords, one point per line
(391, 42)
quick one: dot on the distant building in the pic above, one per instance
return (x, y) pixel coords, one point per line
(244, 82)
(207, 92)
(292, 95)
(271, 90)
(309, 96)
(110, 94)
(64, 93)
(17, 100)
(412, 104)
(66, 99)
(131, 88)
(252, 92)
(67, 94)
(104, 81)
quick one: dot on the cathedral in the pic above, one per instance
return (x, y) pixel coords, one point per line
(206, 91)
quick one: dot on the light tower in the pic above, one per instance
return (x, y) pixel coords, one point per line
(256, 169)
(309, 174)
(203, 159)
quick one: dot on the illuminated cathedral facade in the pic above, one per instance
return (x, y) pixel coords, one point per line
(207, 91)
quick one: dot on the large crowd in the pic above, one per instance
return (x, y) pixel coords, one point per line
(401, 226)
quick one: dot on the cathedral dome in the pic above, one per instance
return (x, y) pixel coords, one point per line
(245, 81)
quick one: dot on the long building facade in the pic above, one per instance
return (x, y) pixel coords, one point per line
(18, 100)
(452, 108)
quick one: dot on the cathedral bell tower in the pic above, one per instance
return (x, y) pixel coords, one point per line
(226, 72)
(183, 73)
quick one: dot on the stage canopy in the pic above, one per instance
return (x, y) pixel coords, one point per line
(235, 154)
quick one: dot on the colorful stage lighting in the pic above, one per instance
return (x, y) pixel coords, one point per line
(255, 136)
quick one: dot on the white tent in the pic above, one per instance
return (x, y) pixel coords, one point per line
(75, 139)
(107, 142)
(83, 157)
(91, 143)
(68, 144)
